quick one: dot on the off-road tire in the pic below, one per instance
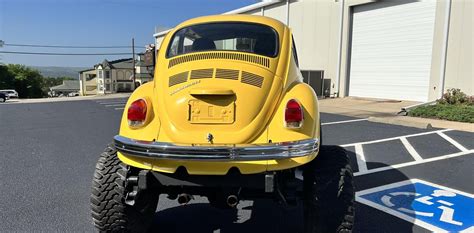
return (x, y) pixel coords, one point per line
(109, 211)
(328, 198)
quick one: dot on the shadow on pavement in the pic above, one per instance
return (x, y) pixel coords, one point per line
(266, 216)
(369, 219)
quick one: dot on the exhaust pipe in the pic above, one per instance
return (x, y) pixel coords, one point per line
(184, 198)
(232, 201)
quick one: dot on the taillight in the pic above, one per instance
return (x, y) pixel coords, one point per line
(136, 114)
(293, 114)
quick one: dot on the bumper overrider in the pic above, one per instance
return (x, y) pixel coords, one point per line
(211, 152)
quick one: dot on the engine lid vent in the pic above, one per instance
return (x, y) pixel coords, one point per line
(202, 73)
(178, 78)
(259, 60)
(227, 74)
(252, 79)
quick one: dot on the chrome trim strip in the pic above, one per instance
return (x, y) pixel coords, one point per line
(236, 152)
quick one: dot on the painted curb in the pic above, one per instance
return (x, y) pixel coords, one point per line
(396, 121)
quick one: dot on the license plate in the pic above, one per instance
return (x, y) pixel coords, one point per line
(201, 112)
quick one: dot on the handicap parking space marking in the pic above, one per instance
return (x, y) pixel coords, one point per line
(396, 138)
(409, 147)
(412, 163)
(452, 141)
(431, 206)
(361, 162)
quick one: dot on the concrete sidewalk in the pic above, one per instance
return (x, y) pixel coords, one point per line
(61, 99)
(385, 111)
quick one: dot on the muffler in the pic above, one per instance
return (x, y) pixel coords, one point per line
(232, 201)
(184, 198)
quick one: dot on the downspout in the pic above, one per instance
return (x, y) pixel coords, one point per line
(288, 12)
(444, 55)
(339, 49)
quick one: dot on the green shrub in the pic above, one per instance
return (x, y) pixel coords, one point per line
(456, 96)
(451, 112)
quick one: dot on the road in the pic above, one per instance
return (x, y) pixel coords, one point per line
(49, 150)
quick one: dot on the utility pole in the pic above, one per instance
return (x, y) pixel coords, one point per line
(1, 45)
(133, 61)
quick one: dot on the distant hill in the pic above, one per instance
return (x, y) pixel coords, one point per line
(56, 71)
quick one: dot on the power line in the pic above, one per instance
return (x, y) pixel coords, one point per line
(69, 46)
(65, 54)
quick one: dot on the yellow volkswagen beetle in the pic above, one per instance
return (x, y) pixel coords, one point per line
(226, 117)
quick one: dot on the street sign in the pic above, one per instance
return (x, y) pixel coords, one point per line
(434, 207)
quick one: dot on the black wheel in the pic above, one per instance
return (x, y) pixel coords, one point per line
(109, 189)
(3, 100)
(328, 200)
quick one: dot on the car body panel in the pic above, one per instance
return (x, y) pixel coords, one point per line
(259, 111)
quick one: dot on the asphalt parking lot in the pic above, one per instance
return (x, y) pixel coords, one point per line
(49, 150)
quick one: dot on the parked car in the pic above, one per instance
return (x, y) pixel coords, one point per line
(11, 93)
(4, 97)
(229, 118)
(72, 94)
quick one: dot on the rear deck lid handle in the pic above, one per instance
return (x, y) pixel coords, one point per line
(211, 91)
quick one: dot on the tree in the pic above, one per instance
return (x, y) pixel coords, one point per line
(27, 81)
(6, 78)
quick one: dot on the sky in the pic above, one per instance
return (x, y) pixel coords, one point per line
(93, 23)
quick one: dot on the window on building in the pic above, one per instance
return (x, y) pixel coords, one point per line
(107, 74)
(107, 87)
(89, 77)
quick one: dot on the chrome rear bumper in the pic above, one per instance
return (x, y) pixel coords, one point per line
(235, 152)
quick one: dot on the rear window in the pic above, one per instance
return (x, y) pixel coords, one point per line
(242, 37)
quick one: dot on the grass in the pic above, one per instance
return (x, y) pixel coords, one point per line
(450, 112)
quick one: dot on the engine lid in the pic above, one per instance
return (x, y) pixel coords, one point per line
(230, 100)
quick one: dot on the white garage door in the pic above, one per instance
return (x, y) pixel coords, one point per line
(391, 50)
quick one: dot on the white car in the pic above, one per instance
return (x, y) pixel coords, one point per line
(10, 93)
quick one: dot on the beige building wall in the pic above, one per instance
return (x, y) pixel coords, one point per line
(88, 87)
(460, 47)
(316, 26)
(277, 11)
(315, 29)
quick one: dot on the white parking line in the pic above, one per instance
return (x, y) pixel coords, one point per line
(342, 122)
(452, 141)
(361, 163)
(458, 154)
(410, 149)
(396, 138)
(113, 102)
(114, 105)
(118, 108)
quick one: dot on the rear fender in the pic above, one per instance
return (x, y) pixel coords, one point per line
(277, 132)
(150, 130)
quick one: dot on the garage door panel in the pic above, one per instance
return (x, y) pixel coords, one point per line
(392, 49)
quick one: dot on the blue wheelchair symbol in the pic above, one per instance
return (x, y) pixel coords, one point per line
(428, 205)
